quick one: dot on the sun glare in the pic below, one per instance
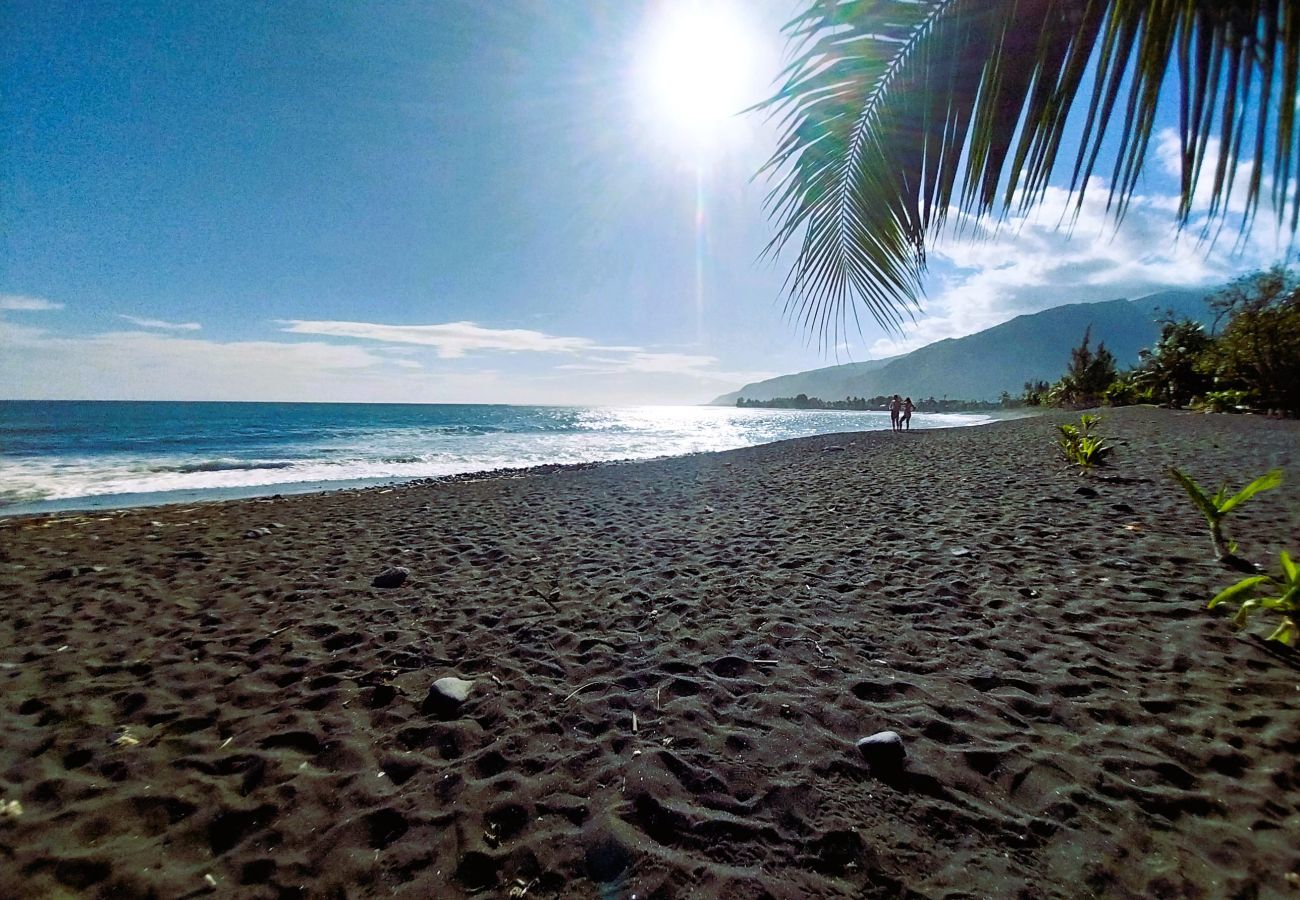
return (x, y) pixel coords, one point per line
(697, 71)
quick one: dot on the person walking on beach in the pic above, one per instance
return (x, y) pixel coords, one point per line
(895, 408)
(906, 421)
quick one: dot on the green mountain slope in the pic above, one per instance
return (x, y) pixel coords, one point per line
(1002, 358)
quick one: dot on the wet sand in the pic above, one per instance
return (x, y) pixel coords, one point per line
(671, 662)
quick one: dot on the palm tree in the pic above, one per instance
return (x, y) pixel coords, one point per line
(897, 113)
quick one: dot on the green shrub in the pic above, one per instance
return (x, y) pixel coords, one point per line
(1224, 401)
(1123, 391)
(1217, 505)
(1080, 446)
(1258, 592)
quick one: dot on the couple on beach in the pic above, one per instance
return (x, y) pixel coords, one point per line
(900, 413)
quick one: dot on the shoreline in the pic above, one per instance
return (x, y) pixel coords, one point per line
(106, 503)
(671, 663)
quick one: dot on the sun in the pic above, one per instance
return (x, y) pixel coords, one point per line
(697, 68)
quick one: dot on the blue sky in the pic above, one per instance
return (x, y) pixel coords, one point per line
(440, 202)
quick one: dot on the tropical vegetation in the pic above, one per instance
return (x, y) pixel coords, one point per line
(1253, 362)
(1215, 507)
(899, 114)
(928, 405)
(1081, 445)
(1265, 592)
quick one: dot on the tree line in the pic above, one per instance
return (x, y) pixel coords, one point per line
(928, 405)
(1249, 360)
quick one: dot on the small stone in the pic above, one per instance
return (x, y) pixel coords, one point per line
(882, 748)
(391, 577)
(453, 688)
(11, 809)
(1085, 491)
(960, 551)
(446, 696)
(833, 448)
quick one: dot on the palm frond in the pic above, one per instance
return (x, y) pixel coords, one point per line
(895, 113)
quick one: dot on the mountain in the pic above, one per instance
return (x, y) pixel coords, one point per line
(981, 366)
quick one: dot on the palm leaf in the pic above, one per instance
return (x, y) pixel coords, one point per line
(896, 114)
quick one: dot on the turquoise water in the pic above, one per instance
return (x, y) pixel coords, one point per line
(76, 454)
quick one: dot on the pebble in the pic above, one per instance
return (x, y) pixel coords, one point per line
(1085, 491)
(446, 695)
(833, 448)
(253, 534)
(453, 688)
(884, 747)
(391, 577)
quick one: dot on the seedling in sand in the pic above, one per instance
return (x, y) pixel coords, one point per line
(1217, 505)
(1080, 446)
(1286, 602)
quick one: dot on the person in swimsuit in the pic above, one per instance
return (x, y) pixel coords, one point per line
(895, 408)
(906, 421)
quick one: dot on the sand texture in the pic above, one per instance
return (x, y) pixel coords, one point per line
(671, 662)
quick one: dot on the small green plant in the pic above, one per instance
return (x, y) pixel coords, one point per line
(1217, 505)
(1249, 592)
(1080, 446)
(1224, 401)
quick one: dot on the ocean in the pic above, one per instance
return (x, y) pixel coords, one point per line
(60, 455)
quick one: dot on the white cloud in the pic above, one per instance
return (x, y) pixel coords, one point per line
(451, 339)
(20, 303)
(698, 368)
(1034, 262)
(142, 365)
(160, 324)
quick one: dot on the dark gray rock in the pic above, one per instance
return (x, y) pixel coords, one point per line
(391, 577)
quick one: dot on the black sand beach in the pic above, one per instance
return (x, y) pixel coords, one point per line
(671, 662)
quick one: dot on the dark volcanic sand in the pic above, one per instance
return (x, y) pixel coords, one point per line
(672, 661)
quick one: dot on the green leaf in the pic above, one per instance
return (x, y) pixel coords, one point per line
(1244, 612)
(1208, 507)
(1289, 569)
(1285, 632)
(1265, 482)
(1246, 585)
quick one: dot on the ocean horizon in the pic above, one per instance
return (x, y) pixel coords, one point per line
(104, 454)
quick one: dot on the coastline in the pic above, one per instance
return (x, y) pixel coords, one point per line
(671, 662)
(110, 502)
